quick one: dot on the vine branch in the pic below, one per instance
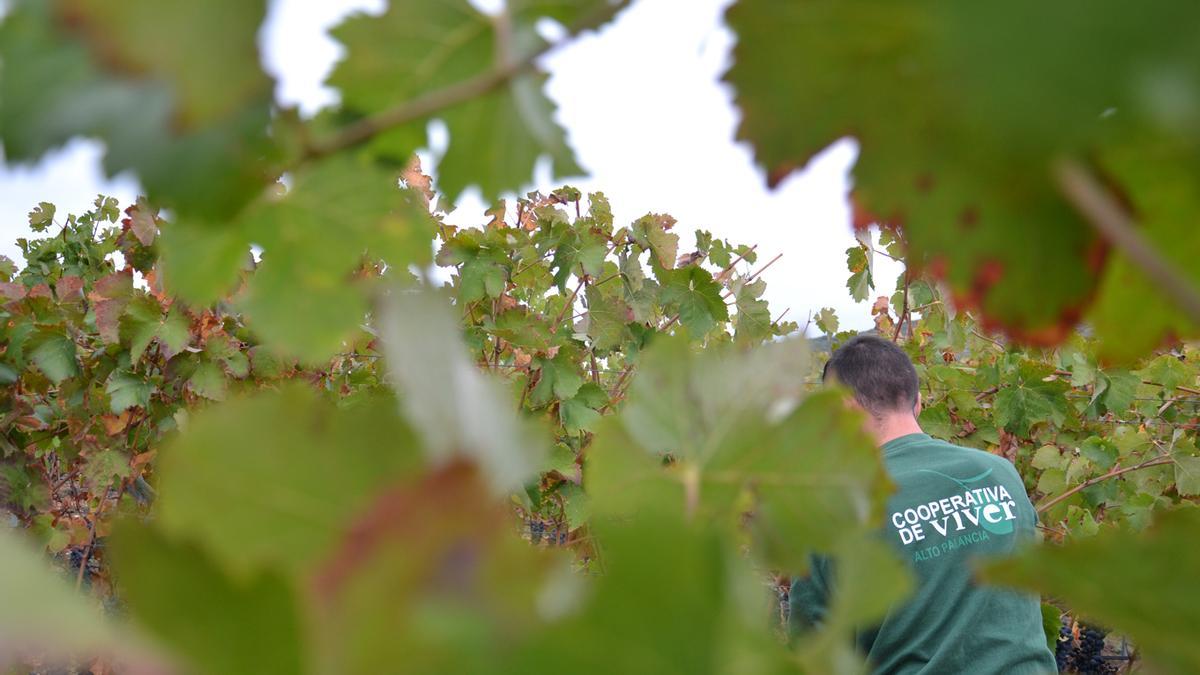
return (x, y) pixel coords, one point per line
(460, 92)
(1157, 461)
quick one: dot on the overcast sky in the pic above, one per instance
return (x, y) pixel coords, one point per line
(646, 115)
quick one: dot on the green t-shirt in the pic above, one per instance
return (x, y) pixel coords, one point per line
(951, 505)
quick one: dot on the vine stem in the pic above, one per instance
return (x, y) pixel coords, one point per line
(903, 312)
(1106, 216)
(460, 92)
(1157, 461)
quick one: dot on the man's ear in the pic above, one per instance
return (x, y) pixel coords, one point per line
(917, 407)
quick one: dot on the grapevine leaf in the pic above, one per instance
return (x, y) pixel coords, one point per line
(827, 321)
(313, 239)
(429, 575)
(575, 505)
(1132, 315)
(1048, 457)
(606, 319)
(696, 296)
(1100, 451)
(860, 282)
(102, 467)
(560, 379)
(54, 353)
(962, 161)
(127, 390)
(140, 323)
(218, 624)
(650, 232)
(657, 608)
(752, 324)
(52, 91)
(790, 486)
(480, 278)
(41, 217)
(1138, 583)
(581, 412)
(1166, 370)
(208, 381)
(1187, 476)
(200, 260)
(176, 43)
(302, 468)
(419, 47)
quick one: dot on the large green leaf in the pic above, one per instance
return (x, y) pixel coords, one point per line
(606, 318)
(420, 47)
(127, 390)
(980, 100)
(430, 576)
(695, 295)
(54, 89)
(54, 353)
(335, 213)
(218, 624)
(1142, 584)
(271, 480)
(718, 420)
(1132, 315)
(208, 51)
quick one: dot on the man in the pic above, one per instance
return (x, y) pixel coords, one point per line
(952, 505)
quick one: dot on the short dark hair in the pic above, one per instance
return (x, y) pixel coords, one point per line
(878, 372)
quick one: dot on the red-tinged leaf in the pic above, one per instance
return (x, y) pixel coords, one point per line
(430, 575)
(12, 291)
(143, 221)
(68, 289)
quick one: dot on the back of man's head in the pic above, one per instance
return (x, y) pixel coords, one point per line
(878, 372)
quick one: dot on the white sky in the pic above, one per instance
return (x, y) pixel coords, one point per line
(648, 120)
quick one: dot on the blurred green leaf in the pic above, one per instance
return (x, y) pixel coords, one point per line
(1140, 584)
(218, 624)
(335, 213)
(270, 480)
(429, 576)
(963, 158)
(54, 89)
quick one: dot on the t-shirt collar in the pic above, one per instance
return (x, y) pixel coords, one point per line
(901, 442)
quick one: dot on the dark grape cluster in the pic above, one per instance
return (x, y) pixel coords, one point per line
(537, 529)
(554, 535)
(1088, 658)
(1064, 646)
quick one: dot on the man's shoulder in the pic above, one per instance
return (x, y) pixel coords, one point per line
(963, 455)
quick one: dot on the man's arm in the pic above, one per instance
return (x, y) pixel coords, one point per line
(808, 599)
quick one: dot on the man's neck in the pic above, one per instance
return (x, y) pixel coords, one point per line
(889, 428)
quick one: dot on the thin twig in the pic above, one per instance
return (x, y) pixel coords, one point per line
(781, 315)
(729, 268)
(460, 92)
(1157, 461)
(570, 303)
(903, 311)
(752, 277)
(981, 336)
(1108, 218)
